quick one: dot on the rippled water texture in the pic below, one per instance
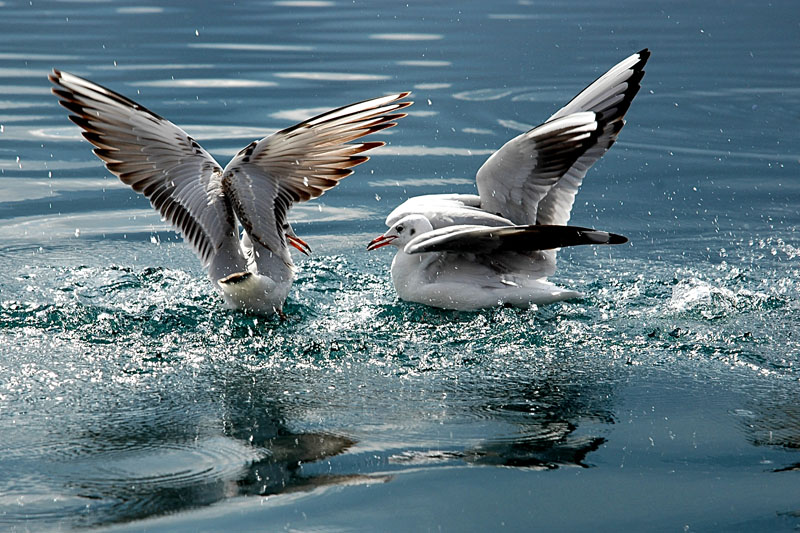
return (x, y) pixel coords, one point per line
(665, 399)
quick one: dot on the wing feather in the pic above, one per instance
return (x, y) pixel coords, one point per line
(154, 157)
(610, 96)
(514, 179)
(301, 162)
(488, 240)
(533, 179)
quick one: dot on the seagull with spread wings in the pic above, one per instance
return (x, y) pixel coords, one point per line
(206, 203)
(465, 251)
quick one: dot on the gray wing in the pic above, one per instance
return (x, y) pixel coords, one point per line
(609, 96)
(501, 255)
(514, 179)
(301, 163)
(483, 240)
(444, 210)
(157, 159)
(476, 255)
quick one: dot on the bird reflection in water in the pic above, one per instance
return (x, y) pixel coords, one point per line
(149, 468)
(774, 424)
(553, 428)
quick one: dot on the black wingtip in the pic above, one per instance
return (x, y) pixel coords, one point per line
(615, 238)
(593, 236)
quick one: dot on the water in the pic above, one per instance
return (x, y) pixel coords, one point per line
(667, 399)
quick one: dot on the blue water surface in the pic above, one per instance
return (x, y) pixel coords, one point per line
(666, 399)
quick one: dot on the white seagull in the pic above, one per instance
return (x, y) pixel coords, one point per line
(207, 203)
(466, 252)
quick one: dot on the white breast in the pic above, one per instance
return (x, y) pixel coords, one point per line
(254, 292)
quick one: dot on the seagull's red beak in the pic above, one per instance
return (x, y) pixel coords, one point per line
(298, 243)
(380, 241)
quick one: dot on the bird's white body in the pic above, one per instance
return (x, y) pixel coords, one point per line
(263, 287)
(414, 283)
(467, 252)
(255, 293)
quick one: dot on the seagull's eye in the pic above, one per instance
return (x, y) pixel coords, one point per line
(399, 229)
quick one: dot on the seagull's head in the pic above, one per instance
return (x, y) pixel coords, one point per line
(402, 232)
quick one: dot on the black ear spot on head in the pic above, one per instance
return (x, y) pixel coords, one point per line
(413, 231)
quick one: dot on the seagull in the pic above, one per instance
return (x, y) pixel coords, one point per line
(468, 252)
(207, 204)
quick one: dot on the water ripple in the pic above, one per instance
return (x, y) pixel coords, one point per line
(218, 83)
(250, 47)
(424, 63)
(421, 150)
(407, 36)
(140, 10)
(174, 465)
(331, 76)
(304, 3)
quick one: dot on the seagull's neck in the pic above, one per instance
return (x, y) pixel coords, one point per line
(408, 269)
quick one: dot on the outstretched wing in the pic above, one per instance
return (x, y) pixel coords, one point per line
(514, 179)
(609, 96)
(487, 240)
(301, 163)
(157, 159)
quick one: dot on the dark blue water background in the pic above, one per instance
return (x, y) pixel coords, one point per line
(668, 399)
